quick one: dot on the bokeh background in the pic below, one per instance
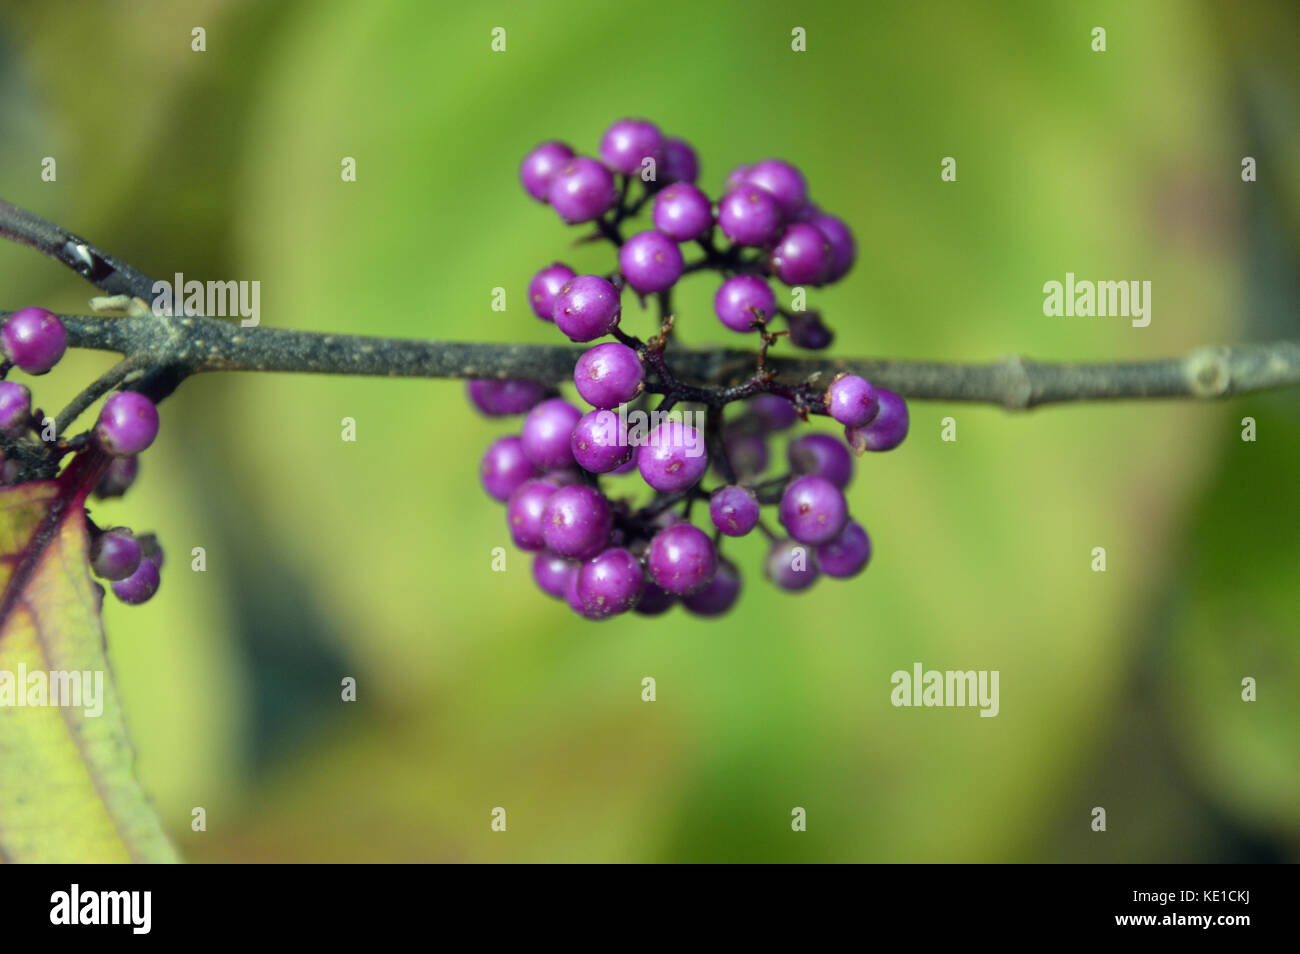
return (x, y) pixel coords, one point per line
(373, 559)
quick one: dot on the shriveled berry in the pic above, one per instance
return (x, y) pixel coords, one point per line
(807, 330)
(681, 559)
(577, 522)
(150, 548)
(34, 339)
(609, 374)
(540, 167)
(813, 510)
(128, 424)
(546, 284)
(115, 554)
(587, 307)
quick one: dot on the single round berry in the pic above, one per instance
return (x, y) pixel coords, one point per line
(609, 374)
(587, 307)
(118, 477)
(848, 554)
(503, 398)
(540, 167)
(546, 433)
(813, 510)
(844, 248)
(629, 142)
(736, 178)
(887, 430)
(115, 554)
(34, 339)
(15, 407)
(600, 442)
(720, 594)
(739, 297)
(775, 412)
(823, 456)
(807, 330)
(783, 181)
(545, 285)
(734, 510)
(650, 261)
(551, 573)
(747, 453)
(140, 585)
(683, 212)
(673, 457)
(680, 161)
(802, 256)
(681, 559)
(582, 190)
(525, 510)
(577, 522)
(128, 423)
(572, 598)
(790, 565)
(505, 466)
(610, 583)
(749, 216)
(852, 400)
(654, 600)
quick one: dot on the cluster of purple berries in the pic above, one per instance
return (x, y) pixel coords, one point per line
(764, 212)
(33, 341)
(598, 551)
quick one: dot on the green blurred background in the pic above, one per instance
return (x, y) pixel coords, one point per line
(373, 559)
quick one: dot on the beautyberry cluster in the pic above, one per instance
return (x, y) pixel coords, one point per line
(598, 549)
(33, 341)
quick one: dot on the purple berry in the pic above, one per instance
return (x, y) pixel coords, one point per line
(599, 442)
(735, 510)
(551, 572)
(650, 261)
(505, 466)
(673, 457)
(720, 594)
(577, 522)
(807, 330)
(140, 585)
(783, 181)
(572, 598)
(628, 142)
(15, 407)
(683, 212)
(813, 510)
(34, 339)
(790, 565)
(118, 477)
(774, 412)
(128, 423)
(747, 453)
(847, 555)
(852, 400)
(844, 248)
(546, 433)
(150, 549)
(802, 256)
(540, 167)
(822, 456)
(680, 162)
(545, 285)
(749, 216)
(886, 431)
(610, 583)
(736, 178)
(115, 554)
(587, 307)
(737, 299)
(582, 190)
(681, 559)
(655, 600)
(503, 398)
(609, 374)
(525, 510)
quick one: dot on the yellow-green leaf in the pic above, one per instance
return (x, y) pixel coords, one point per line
(68, 791)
